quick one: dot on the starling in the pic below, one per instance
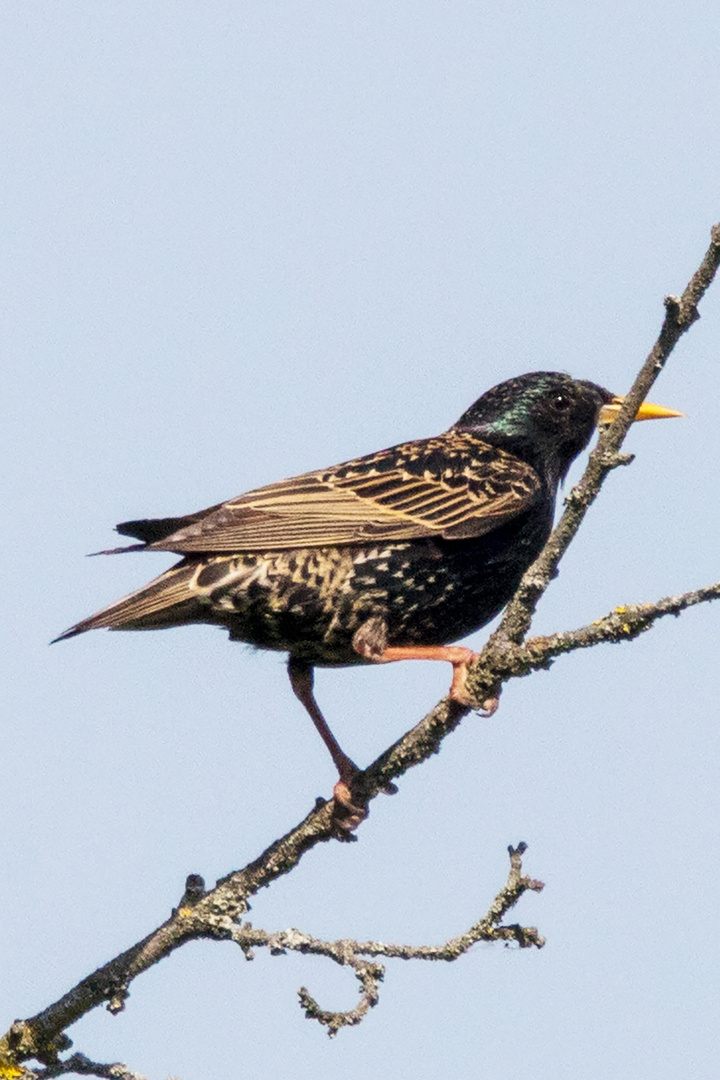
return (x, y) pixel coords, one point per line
(387, 557)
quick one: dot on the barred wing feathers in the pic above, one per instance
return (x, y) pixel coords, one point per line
(454, 486)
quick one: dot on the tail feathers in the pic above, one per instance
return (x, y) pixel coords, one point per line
(152, 530)
(166, 601)
(118, 550)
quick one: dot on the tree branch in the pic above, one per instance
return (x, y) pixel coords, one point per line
(80, 1065)
(680, 314)
(348, 952)
(215, 914)
(622, 624)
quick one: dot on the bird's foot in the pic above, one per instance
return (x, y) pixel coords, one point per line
(457, 655)
(350, 808)
(348, 811)
(458, 687)
(460, 657)
(351, 803)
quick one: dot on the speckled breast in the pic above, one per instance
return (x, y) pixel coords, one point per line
(311, 601)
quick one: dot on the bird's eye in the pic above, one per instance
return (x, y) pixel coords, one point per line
(560, 402)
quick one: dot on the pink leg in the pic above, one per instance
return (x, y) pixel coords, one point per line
(350, 815)
(457, 655)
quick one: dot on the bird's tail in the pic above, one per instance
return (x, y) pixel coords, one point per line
(166, 601)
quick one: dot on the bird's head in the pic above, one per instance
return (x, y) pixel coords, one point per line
(546, 418)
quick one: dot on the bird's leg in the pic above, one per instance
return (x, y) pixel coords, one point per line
(457, 655)
(370, 644)
(301, 680)
(350, 814)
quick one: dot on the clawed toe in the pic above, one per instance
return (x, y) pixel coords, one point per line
(348, 811)
(459, 692)
(458, 687)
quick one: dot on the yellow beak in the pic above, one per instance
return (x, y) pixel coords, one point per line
(609, 412)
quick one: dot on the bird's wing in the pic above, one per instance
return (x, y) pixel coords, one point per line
(454, 486)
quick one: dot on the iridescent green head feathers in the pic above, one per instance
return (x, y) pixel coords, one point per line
(545, 417)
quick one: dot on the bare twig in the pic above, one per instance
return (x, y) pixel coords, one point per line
(624, 623)
(488, 928)
(79, 1065)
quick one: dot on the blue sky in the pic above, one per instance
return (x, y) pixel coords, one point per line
(244, 241)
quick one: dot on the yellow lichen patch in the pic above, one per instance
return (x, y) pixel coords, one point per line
(9, 1071)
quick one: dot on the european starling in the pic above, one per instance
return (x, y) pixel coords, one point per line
(387, 557)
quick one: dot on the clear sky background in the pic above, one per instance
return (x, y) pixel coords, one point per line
(246, 240)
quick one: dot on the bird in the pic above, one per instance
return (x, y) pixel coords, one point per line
(391, 556)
